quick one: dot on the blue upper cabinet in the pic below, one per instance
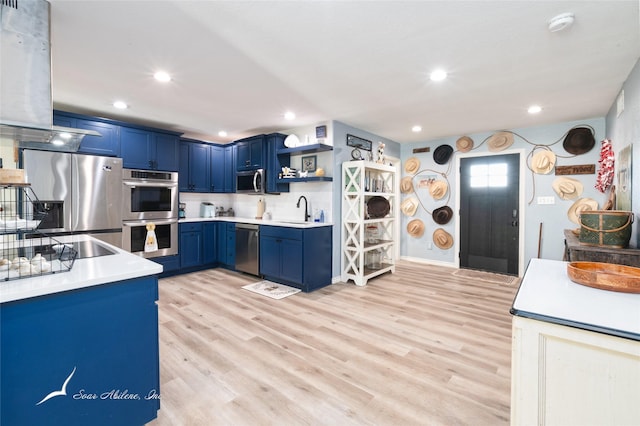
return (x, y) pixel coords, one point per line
(108, 144)
(250, 153)
(229, 169)
(166, 151)
(217, 168)
(148, 150)
(275, 163)
(194, 167)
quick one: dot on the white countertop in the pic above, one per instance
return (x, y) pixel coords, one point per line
(282, 222)
(84, 273)
(547, 293)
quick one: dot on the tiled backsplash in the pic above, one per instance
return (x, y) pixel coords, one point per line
(281, 207)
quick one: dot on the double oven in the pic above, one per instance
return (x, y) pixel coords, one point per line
(150, 197)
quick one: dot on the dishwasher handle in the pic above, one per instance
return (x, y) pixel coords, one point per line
(247, 226)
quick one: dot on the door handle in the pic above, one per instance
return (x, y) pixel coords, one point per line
(514, 223)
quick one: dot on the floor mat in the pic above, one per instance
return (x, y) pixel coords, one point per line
(271, 289)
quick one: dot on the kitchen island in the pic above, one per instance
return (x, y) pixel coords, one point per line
(576, 351)
(81, 347)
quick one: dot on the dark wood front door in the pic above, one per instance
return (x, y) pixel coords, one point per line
(489, 215)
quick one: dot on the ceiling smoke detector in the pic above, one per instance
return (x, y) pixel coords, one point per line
(560, 22)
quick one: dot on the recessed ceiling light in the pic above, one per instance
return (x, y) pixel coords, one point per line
(560, 22)
(416, 129)
(222, 133)
(162, 76)
(438, 75)
(120, 105)
(534, 109)
(289, 115)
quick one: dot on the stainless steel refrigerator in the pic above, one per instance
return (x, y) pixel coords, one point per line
(80, 193)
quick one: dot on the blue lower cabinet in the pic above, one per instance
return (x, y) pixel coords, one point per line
(99, 344)
(209, 242)
(226, 244)
(297, 257)
(190, 246)
(170, 264)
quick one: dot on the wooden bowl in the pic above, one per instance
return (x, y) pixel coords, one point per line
(605, 276)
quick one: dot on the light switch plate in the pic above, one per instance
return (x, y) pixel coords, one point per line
(547, 200)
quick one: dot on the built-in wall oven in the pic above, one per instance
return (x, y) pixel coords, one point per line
(150, 197)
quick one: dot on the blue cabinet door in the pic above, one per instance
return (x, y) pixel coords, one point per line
(190, 247)
(209, 242)
(231, 245)
(270, 256)
(135, 148)
(194, 167)
(243, 156)
(221, 242)
(166, 152)
(292, 261)
(217, 168)
(184, 185)
(229, 170)
(108, 144)
(275, 162)
(199, 167)
(250, 153)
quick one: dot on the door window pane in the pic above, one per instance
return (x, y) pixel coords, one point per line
(488, 175)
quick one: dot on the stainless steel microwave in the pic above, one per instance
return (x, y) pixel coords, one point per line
(251, 182)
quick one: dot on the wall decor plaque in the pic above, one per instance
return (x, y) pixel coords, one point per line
(580, 169)
(357, 142)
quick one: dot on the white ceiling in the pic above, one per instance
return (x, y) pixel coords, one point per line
(239, 65)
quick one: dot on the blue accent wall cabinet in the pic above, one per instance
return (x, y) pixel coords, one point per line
(99, 344)
(298, 257)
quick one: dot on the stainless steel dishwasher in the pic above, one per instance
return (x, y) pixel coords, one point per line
(248, 248)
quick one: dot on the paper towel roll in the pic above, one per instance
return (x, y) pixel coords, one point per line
(260, 209)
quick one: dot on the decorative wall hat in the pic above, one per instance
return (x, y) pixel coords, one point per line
(412, 165)
(500, 141)
(579, 140)
(583, 204)
(438, 189)
(567, 188)
(464, 144)
(406, 185)
(442, 239)
(543, 161)
(442, 215)
(442, 154)
(415, 228)
(409, 206)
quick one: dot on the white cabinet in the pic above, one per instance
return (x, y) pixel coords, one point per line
(368, 220)
(566, 376)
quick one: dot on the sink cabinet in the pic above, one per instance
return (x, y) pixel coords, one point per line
(298, 257)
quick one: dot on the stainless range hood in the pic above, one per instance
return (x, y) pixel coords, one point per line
(26, 107)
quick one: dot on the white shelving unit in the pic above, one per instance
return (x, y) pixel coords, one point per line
(364, 257)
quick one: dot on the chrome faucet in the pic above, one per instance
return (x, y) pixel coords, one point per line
(306, 211)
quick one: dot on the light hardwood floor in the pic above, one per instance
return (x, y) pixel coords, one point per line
(418, 347)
